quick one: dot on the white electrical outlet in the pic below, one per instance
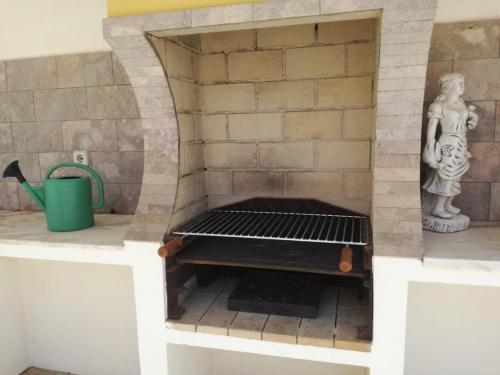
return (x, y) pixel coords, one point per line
(81, 156)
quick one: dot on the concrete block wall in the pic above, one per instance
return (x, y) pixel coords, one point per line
(51, 106)
(471, 48)
(178, 56)
(285, 111)
(288, 112)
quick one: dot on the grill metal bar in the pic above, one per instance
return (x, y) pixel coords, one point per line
(307, 227)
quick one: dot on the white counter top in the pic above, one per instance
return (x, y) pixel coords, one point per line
(25, 235)
(477, 248)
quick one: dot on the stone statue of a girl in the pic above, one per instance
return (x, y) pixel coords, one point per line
(447, 156)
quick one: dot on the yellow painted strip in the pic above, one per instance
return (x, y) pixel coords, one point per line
(117, 8)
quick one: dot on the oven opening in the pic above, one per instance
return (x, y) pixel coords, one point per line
(270, 232)
(268, 264)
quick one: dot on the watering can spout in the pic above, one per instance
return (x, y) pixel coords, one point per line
(36, 194)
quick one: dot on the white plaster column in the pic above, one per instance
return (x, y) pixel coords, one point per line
(390, 289)
(149, 288)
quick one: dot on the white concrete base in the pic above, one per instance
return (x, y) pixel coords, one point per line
(292, 351)
(475, 247)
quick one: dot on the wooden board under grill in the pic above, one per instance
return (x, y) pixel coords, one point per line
(279, 255)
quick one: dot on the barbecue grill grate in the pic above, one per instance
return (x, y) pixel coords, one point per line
(308, 227)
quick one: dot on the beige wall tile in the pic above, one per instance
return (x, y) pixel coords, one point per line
(255, 65)
(345, 92)
(266, 184)
(5, 138)
(91, 135)
(28, 161)
(120, 76)
(4, 107)
(178, 60)
(258, 126)
(346, 31)
(109, 102)
(311, 62)
(229, 97)
(286, 95)
(285, 36)
(17, 106)
(37, 136)
(228, 40)
(129, 133)
(31, 74)
(211, 68)
(218, 182)
(131, 167)
(61, 104)
(358, 123)
(113, 201)
(495, 202)
(464, 40)
(25, 201)
(231, 155)
(48, 159)
(478, 75)
(361, 58)
(314, 184)
(89, 69)
(497, 121)
(313, 125)
(9, 199)
(358, 185)
(130, 194)
(214, 127)
(344, 154)
(287, 155)
(3, 77)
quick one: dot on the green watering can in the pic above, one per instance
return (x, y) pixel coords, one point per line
(66, 201)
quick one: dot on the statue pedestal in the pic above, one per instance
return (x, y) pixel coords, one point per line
(456, 223)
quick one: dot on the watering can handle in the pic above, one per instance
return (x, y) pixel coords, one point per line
(100, 184)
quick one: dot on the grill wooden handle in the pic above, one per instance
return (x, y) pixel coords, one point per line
(345, 264)
(170, 247)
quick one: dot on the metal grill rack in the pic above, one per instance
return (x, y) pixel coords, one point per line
(306, 227)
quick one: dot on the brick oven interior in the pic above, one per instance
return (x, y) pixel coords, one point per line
(285, 112)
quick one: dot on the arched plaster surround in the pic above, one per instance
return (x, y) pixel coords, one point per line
(406, 27)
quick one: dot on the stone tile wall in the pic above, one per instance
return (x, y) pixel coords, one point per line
(472, 49)
(284, 111)
(404, 35)
(51, 106)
